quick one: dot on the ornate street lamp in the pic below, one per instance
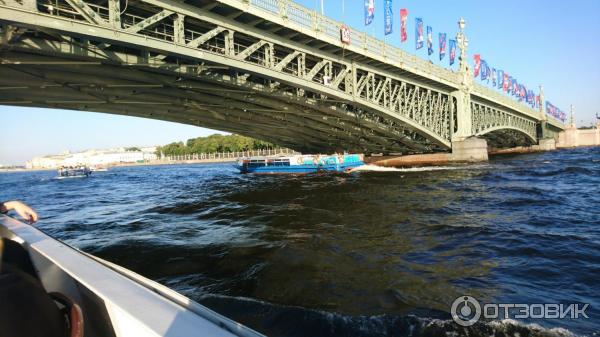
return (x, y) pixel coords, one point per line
(463, 43)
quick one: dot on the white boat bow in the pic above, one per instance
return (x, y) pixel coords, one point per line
(114, 300)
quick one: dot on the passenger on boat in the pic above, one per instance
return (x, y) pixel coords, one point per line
(26, 309)
(23, 210)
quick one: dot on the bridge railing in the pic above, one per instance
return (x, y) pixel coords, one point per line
(488, 93)
(304, 19)
(308, 19)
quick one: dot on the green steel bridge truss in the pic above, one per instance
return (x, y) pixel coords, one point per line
(268, 69)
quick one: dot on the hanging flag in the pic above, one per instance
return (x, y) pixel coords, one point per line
(442, 45)
(500, 78)
(369, 11)
(477, 59)
(511, 85)
(419, 33)
(429, 40)
(388, 17)
(494, 77)
(484, 73)
(538, 102)
(555, 112)
(523, 92)
(488, 71)
(452, 51)
(403, 17)
(505, 79)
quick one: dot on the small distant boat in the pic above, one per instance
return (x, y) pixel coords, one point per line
(300, 163)
(74, 172)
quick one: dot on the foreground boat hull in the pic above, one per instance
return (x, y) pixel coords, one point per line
(115, 301)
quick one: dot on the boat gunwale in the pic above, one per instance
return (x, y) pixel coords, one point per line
(122, 290)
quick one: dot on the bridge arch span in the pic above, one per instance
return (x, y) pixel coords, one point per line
(417, 115)
(507, 137)
(500, 128)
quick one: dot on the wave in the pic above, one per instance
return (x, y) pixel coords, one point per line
(290, 321)
(572, 170)
(376, 168)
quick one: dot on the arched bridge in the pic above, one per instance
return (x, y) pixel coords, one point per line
(268, 69)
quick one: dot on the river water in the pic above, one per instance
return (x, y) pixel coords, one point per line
(362, 254)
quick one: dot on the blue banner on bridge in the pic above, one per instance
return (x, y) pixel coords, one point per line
(500, 78)
(555, 112)
(429, 40)
(452, 51)
(442, 45)
(485, 71)
(369, 11)
(388, 17)
(419, 33)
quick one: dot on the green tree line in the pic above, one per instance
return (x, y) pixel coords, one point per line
(213, 143)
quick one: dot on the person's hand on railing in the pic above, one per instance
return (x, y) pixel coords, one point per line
(24, 211)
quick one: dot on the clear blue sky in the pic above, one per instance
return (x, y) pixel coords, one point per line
(554, 43)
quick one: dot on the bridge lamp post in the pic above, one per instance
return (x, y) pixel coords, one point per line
(463, 43)
(463, 95)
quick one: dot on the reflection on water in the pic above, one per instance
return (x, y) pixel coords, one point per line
(365, 254)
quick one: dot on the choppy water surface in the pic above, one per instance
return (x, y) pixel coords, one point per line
(362, 254)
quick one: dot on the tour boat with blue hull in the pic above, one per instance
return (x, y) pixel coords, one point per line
(300, 164)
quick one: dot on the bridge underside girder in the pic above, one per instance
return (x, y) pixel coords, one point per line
(212, 101)
(43, 70)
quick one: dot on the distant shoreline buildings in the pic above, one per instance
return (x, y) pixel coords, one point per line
(106, 157)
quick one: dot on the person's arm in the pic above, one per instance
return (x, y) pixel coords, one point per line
(22, 210)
